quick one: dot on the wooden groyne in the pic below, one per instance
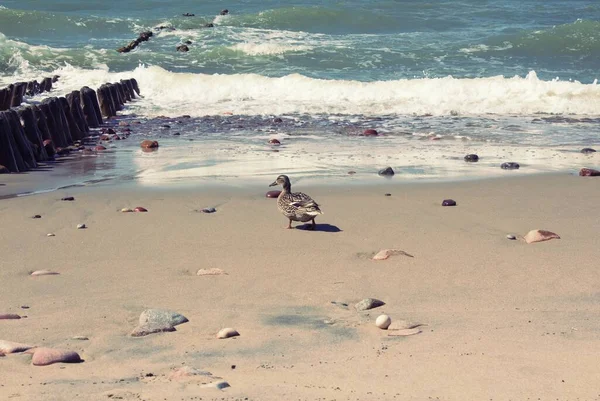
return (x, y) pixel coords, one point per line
(36, 133)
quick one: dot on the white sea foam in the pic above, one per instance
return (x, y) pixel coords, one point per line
(268, 49)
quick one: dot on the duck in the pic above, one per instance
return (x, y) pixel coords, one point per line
(296, 206)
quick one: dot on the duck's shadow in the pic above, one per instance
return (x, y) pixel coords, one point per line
(326, 228)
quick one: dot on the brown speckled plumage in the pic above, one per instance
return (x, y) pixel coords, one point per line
(296, 206)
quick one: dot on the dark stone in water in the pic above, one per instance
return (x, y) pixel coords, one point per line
(388, 171)
(224, 12)
(589, 172)
(449, 202)
(189, 15)
(370, 132)
(588, 150)
(148, 144)
(277, 120)
(183, 48)
(176, 134)
(273, 194)
(274, 142)
(209, 25)
(100, 148)
(510, 166)
(68, 198)
(188, 42)
(471, 158)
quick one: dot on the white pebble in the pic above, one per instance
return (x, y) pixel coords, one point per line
(126, 210)
(50, 235)
(227, 332)
(511, 237)
(81, 226)
(383, 322)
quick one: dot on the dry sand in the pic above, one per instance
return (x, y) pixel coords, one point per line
(504, 319)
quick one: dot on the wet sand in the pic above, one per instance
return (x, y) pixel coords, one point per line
(503, 319)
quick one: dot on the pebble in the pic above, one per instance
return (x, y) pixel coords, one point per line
(589, 172)
(539, 236)
(388, 171)
(511, 237)
(370, 132)
(448, 202)
(140, 209)
(471, 158)
(351, 172)
(80, 338)
(510, 166)
(9, 316)
(588, 150)
(211, 272)
(9, 347)
(100, 148)
(37, 216)
(44, 273)
(273, 194)
(147, 144)
(386, 253)
(68, 198)
(383, 322)
(388, 194)
(126, 210)
(147, 329)
(368, 303)
(274, 142)
(81, 226)
(50, 235)
(227, 333)
(209, 210)
(47, 356)
(220, 385)
(162, 316)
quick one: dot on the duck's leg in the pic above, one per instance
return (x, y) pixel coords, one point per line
(290, 224)
(314, 225)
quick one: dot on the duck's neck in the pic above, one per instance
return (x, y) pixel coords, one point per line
(287, 188)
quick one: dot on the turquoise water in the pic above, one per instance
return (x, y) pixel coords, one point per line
(505, 79)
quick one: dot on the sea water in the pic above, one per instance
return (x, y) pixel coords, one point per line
(509, 80)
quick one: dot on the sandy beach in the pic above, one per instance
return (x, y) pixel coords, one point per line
(500, 319)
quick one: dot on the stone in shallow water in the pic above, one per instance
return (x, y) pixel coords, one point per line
(588, 150)
(274, 141)
(510, 166)
(448, 202)
(370, 132)
(211, 272)
(44, 273)
(9, 316)
(273, 194)
(9, 347)
(539, 236)
(589, 172)
(368, 303)
(227, 333)
(388, 171)
(48, 356)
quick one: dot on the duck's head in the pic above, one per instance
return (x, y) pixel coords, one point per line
(281, 180)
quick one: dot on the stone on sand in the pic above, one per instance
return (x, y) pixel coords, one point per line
(9, 347)
(448, 202)
(151, 328)
(510, 237)
(126, 210)
(388, 171)
(273, 194)
(47, 356)
(510, 166)
(386, 253)
(215, 271)
(539, 236)
(81, 226)
(161, 316)
(140, 209)
(589, 172)
(220, 385)
(9, 316)
(368, 303)
(44, 273)
(383, 322)
(227, 333)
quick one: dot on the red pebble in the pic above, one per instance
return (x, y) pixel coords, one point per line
(100, 147)
(9, 316)
(273, 194)
(370, 132)
(140, 209)
(274, 141)
(589, 172)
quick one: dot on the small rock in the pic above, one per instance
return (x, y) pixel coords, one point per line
(539, 236)
(273, 194)
(81, 226)
(100, 148)
(43, 273)
(370, 132)
(227, 333)
(386, 253)
(9, 316)
(182, 48)
(588, 151)
(211, 272)
(368, 303)
(589, 172)
(448, 202)
(510, 166)
(80, 338)
(224, 12)
(24, 307)
(188, 15)
(274, 142)
(146, 329)
(510, 237)
(48, 356)
(68, 199)
(209, 210)
(220, 385)
(126, 210)
(50, 235)
(9, 347)
(147, 144)
(388, 171)
(4, 170)
(37, 216)
(162, 316)
(388, 194)
(383, 322)
(140, 209)
(471, 158)
(351, 172)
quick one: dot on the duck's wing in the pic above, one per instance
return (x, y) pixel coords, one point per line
(305, 202)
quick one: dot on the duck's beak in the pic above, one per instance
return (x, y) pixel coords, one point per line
(274, 184)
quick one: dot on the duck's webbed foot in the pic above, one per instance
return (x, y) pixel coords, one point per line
(290, 225)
